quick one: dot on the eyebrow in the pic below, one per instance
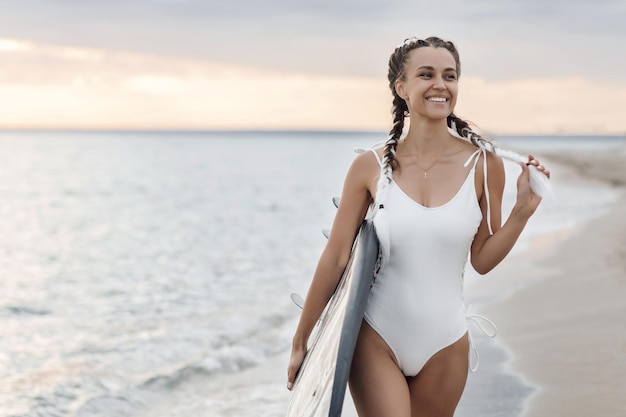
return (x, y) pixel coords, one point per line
(428, 67)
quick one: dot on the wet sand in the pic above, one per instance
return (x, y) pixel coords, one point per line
(566, 329)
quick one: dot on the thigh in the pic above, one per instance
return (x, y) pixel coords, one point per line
(378, 386)
(437, 389)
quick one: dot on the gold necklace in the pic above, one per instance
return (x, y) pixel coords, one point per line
(433, 164)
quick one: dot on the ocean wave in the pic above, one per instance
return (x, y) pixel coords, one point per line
(231, 355)
(23, 311)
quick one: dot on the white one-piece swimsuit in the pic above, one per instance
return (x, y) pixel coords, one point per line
(416, 301)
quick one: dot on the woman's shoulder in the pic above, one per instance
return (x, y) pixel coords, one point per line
(494, 162)
(368, 159)
(494, 165)
(364, 168)
(470, 149)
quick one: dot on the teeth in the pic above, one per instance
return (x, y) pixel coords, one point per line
(438, 99)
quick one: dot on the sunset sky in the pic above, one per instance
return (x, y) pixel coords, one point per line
(529, 66)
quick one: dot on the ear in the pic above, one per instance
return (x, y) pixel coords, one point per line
(399, 86)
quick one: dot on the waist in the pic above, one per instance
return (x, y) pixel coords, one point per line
(415, 310)
(435, 290)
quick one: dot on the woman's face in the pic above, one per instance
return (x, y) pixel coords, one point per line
(430, 84)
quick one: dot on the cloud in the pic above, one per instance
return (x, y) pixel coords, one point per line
(47, 86)
(303, 62)
(504, 39)
(50, 86)
(156, 84)
(550, 105)
(12, 45)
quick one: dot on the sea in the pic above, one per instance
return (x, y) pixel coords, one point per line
(149, 273)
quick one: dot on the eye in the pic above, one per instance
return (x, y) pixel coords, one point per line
(425, 75)
(450, 77)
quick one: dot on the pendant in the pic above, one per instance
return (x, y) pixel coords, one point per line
(425, 174)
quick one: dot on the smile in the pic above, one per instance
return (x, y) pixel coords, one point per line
(437, 99)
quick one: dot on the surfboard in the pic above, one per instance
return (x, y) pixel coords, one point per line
(320, 386)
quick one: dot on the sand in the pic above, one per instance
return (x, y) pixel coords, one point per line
(567, 330)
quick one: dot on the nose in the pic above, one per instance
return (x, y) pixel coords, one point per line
(438, 83)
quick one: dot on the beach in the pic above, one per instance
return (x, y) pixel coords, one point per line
(130, 290)
(566, 329)
(562, 322)
(560, 312)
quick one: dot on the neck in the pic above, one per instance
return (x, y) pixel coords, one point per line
(427, 136)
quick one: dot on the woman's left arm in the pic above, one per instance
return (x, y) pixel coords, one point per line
(487, 250)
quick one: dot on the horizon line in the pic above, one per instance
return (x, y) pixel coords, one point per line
(280, 131)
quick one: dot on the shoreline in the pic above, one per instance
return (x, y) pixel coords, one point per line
(564, 327)
(521, 371)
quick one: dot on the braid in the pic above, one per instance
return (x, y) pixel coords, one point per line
(389, 153)
(400, 109)
(463, 129)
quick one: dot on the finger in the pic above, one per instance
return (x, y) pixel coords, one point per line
(524, 176)
(543, 169)
(524, 167)
(290, 378)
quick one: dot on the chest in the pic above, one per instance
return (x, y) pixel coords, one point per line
(451, 223)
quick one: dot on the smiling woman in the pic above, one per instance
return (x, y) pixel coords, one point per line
(434, 194)
(417, 88)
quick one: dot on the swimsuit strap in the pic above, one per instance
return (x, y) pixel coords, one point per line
(373, 208)
(476, 157)
(380, 162)
(480, 321)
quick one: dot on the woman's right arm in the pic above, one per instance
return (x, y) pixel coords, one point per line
(355, 200)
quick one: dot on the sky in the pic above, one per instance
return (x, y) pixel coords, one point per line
(528, 66)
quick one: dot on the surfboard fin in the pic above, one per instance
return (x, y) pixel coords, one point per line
(326, 232)
(297, 300)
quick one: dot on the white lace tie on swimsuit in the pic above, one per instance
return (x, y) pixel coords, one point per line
(376, 209)
(486, 326)
(539, 182)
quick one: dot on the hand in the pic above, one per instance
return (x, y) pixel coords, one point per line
(533, 161)
(527, 199)
(297, 357)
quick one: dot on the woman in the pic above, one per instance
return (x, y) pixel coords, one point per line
(436, 196)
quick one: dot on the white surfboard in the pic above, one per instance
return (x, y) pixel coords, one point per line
(320, 387)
